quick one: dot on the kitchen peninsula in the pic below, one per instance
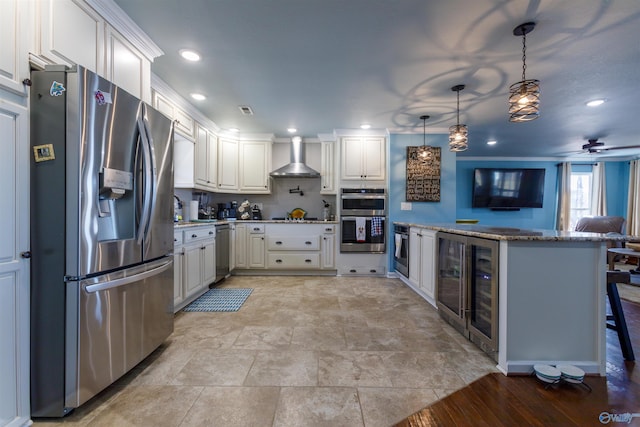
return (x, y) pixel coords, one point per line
(549, 295)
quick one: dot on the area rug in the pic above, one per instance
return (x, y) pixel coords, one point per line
(220, 300)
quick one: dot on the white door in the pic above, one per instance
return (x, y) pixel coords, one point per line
(14, 266)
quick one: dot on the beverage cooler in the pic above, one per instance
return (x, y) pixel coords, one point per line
(467, 288)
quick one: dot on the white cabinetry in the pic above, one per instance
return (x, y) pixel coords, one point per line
(178, 255)
(227, 165)
(363, 158)
(327, 170)
(183, 162)
(126, 66)
(422, 267)
(205, 160)
(254, 167)
(185, 125)
(14, 269)
(329, 246)
(256, 246)
(241, 245)
(198, 263)
(14, 66)
(70, 32)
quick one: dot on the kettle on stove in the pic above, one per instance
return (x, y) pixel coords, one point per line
(255, 213)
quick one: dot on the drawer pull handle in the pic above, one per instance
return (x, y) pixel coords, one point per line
(307, 260)
(278, 243)
(211, 232)
(328, 229)
(279, 261)
(352, 271)
(307, 243)
(256, 229)
(193, 236)
(372, 271)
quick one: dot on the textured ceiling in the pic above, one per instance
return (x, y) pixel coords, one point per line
(320, 65)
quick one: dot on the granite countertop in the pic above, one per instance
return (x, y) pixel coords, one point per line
(199, 223)
(512, 233)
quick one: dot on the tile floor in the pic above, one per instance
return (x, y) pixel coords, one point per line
(302, 351)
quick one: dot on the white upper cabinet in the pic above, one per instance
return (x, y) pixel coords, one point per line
(14, 66)
(206, 160)
(127, 67)
(227, 165)
(363, 158)
(327, 169)
(183, 162)
(71, 33)
(185, 125)
(254, 167)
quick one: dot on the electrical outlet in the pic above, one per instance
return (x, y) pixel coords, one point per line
(405, 206)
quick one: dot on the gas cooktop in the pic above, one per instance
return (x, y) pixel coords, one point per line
(281, 218)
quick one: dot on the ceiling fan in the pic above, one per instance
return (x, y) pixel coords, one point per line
(595, 146)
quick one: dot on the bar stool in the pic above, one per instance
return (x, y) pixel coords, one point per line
(619, 324)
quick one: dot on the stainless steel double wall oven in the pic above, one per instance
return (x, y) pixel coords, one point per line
(363, 220)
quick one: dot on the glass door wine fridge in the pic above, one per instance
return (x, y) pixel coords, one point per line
(467, 287)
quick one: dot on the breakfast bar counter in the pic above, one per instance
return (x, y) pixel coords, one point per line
(551, 295)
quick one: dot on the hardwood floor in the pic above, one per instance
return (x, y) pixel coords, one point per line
(497, 400)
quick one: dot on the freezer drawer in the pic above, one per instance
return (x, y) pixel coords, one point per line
(113, 323)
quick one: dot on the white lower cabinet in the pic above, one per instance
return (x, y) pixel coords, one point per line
(285, 246)
(422, 258)
(197, 259)
(256, 246)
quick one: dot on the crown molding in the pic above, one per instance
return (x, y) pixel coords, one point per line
(119, 20)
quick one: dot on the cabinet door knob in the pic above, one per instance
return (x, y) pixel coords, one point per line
(211, 232)
(25, 254)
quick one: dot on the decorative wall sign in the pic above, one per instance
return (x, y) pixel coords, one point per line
(423, 178)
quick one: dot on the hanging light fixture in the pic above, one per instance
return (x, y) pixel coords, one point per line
(524, 96)
(424, 154)
(458, 134)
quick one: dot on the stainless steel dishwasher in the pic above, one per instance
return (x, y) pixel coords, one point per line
(222, 251)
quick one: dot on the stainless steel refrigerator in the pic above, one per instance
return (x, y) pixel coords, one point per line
(101, 235)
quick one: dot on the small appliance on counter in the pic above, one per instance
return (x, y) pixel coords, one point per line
(256, 214)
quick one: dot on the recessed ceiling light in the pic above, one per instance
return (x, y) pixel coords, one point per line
(492, 142)
(595, 102)
(292, 130)
(198, 96)
(234, 130)
(189, 55)
(365, 126)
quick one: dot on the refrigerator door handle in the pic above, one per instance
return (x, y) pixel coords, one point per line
(126, 280)
(147, 178)
(153, 166)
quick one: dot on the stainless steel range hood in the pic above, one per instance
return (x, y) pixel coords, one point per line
(296, 167)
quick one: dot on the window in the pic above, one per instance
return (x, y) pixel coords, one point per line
(580, 196)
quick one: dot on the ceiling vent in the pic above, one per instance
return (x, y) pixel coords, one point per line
(246, 110)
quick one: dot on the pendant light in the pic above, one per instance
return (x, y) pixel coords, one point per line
(424, 154)
(524, 96)
(458, 134)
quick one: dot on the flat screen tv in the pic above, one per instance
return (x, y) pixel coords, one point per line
(507, 188)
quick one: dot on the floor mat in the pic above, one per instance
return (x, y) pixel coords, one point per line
(220, 300)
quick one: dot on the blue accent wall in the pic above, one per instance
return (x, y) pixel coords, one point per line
(524, 218)
(617, 180)
(421, 212)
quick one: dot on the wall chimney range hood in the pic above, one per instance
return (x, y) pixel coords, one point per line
(296, 167)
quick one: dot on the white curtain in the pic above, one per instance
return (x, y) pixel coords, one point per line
(563, 214)
(633, 204)
(598, 191)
